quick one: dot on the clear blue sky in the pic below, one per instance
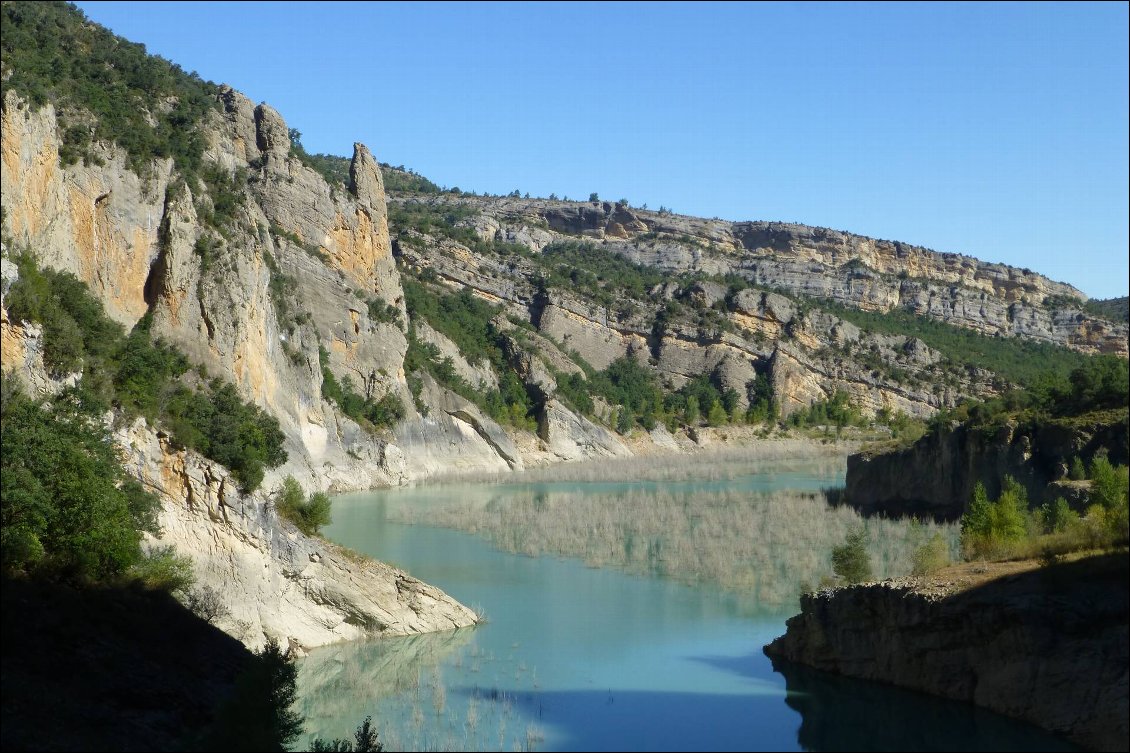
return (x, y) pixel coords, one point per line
(998, 131)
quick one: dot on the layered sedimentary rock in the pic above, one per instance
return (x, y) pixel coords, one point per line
(854, 270)
(808, 356)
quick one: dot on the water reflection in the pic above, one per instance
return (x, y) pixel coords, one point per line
(576, 657)
(345, 681)
(763, 544)
(840, 713)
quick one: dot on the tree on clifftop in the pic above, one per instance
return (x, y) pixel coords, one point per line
(850, 561)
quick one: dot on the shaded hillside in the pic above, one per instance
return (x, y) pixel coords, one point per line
(105, 668)
(1115, 309)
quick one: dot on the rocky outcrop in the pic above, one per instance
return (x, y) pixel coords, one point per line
(454, 437)
(277, 582)
(936, 475)
(1048, 646)
(572, 437)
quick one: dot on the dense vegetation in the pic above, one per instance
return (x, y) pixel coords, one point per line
(444, 221)
(400, 179)
(1006, 526)
(850, 560)
(1114, 309)
(68, 507)
(1099, 383)
(104, 88)
(602, 277)
(834, 411)
(140, 376)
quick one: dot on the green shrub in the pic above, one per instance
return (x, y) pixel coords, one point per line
(310, 515)
(850, 560)
(835, 411)
(1110, 489)
(717, 414)
(1077, 472)
(386, 313)
(633, 387)
(991, 529)
(76, 331)
(370, 414)
(146, 372)
(224, 428)
(931, 556)
(162, 569)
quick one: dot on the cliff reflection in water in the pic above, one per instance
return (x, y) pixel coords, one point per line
(346, 680)
(841, 713)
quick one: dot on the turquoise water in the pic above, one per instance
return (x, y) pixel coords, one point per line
(582, 658)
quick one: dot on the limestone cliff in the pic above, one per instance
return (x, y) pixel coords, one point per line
(1048, 646)
(877, 275)
(271, 274)
(274, 580)
(807, 355)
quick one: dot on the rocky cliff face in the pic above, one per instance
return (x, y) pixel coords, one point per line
(274, 580)
(808, 355)
(213, 290)
(1048, 646)
(267, 275)
(936, 475)
(861, 272)
(277, 581)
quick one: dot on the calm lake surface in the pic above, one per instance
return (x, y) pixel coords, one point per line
(576, 657)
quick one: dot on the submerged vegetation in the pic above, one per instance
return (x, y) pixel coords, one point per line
(692, 532)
